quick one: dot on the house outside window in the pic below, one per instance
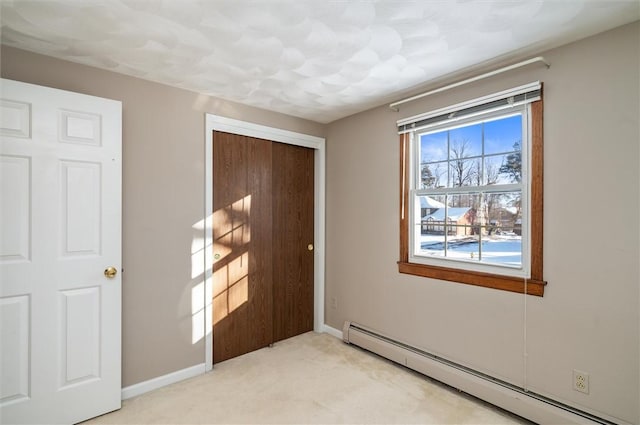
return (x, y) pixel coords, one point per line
(468, 177)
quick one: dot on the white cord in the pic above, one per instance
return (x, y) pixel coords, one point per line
(525, 354)
(404, 172)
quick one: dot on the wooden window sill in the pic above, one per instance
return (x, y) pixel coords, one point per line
(488, 280)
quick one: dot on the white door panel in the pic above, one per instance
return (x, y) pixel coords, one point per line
(14, 374)
(15, 178)
(60, 227)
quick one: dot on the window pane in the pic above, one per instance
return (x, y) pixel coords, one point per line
(501, 247)
(492, 166)
(463, 244)
(511, 167)
(430, 232)
(433, 175)
(503, 169)
(465, 203)
(432, 244)
(501, 135)
(430, 205)
(465, 142)
(502, 234)
(433, 147)
(445, 231)
(484, 228)
(465, 172)
(503, 210)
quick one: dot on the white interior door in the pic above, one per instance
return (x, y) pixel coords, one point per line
(60, 224)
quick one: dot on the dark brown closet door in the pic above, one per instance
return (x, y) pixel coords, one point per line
(262, 228)
(242, 268)
(292, 240)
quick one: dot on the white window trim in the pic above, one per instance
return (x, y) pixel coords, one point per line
(460, 264)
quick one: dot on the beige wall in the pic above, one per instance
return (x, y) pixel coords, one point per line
(588, 319)
(163, 196)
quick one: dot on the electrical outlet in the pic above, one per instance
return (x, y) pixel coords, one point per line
(334, 302)
(581, 381)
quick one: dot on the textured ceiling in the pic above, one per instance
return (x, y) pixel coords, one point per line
(317, 59)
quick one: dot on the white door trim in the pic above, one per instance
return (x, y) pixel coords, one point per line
(229, 125)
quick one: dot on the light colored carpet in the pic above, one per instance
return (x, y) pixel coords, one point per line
(311, 378)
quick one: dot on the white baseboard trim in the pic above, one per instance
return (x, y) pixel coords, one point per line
(161, 381)
(331, 331)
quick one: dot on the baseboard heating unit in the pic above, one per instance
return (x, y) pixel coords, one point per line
(534, 407)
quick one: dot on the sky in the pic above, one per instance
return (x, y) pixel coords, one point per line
(500, 135)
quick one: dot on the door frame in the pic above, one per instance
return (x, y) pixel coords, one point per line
(243, 128)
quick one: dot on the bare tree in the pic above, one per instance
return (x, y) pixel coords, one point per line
(491, 172)
(462, 170)
(438, 171)
(477, 172)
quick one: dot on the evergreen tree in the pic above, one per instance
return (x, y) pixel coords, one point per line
(513, 165)
(428, 180)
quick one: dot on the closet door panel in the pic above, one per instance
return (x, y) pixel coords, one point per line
(261, 253)
(242, 281)
(293, 196)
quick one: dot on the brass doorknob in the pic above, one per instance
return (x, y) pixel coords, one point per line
(310, 247)
(110, 272)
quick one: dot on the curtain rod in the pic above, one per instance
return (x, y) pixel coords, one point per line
(395, 105)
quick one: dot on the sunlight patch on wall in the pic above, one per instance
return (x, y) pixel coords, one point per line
(200, 272)
(198, 322)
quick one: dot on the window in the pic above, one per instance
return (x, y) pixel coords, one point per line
(468, 195)
(471, 185)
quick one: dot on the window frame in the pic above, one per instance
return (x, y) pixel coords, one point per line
(531, 283)
(415, 172)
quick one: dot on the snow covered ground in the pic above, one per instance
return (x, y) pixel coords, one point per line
(495, 249)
